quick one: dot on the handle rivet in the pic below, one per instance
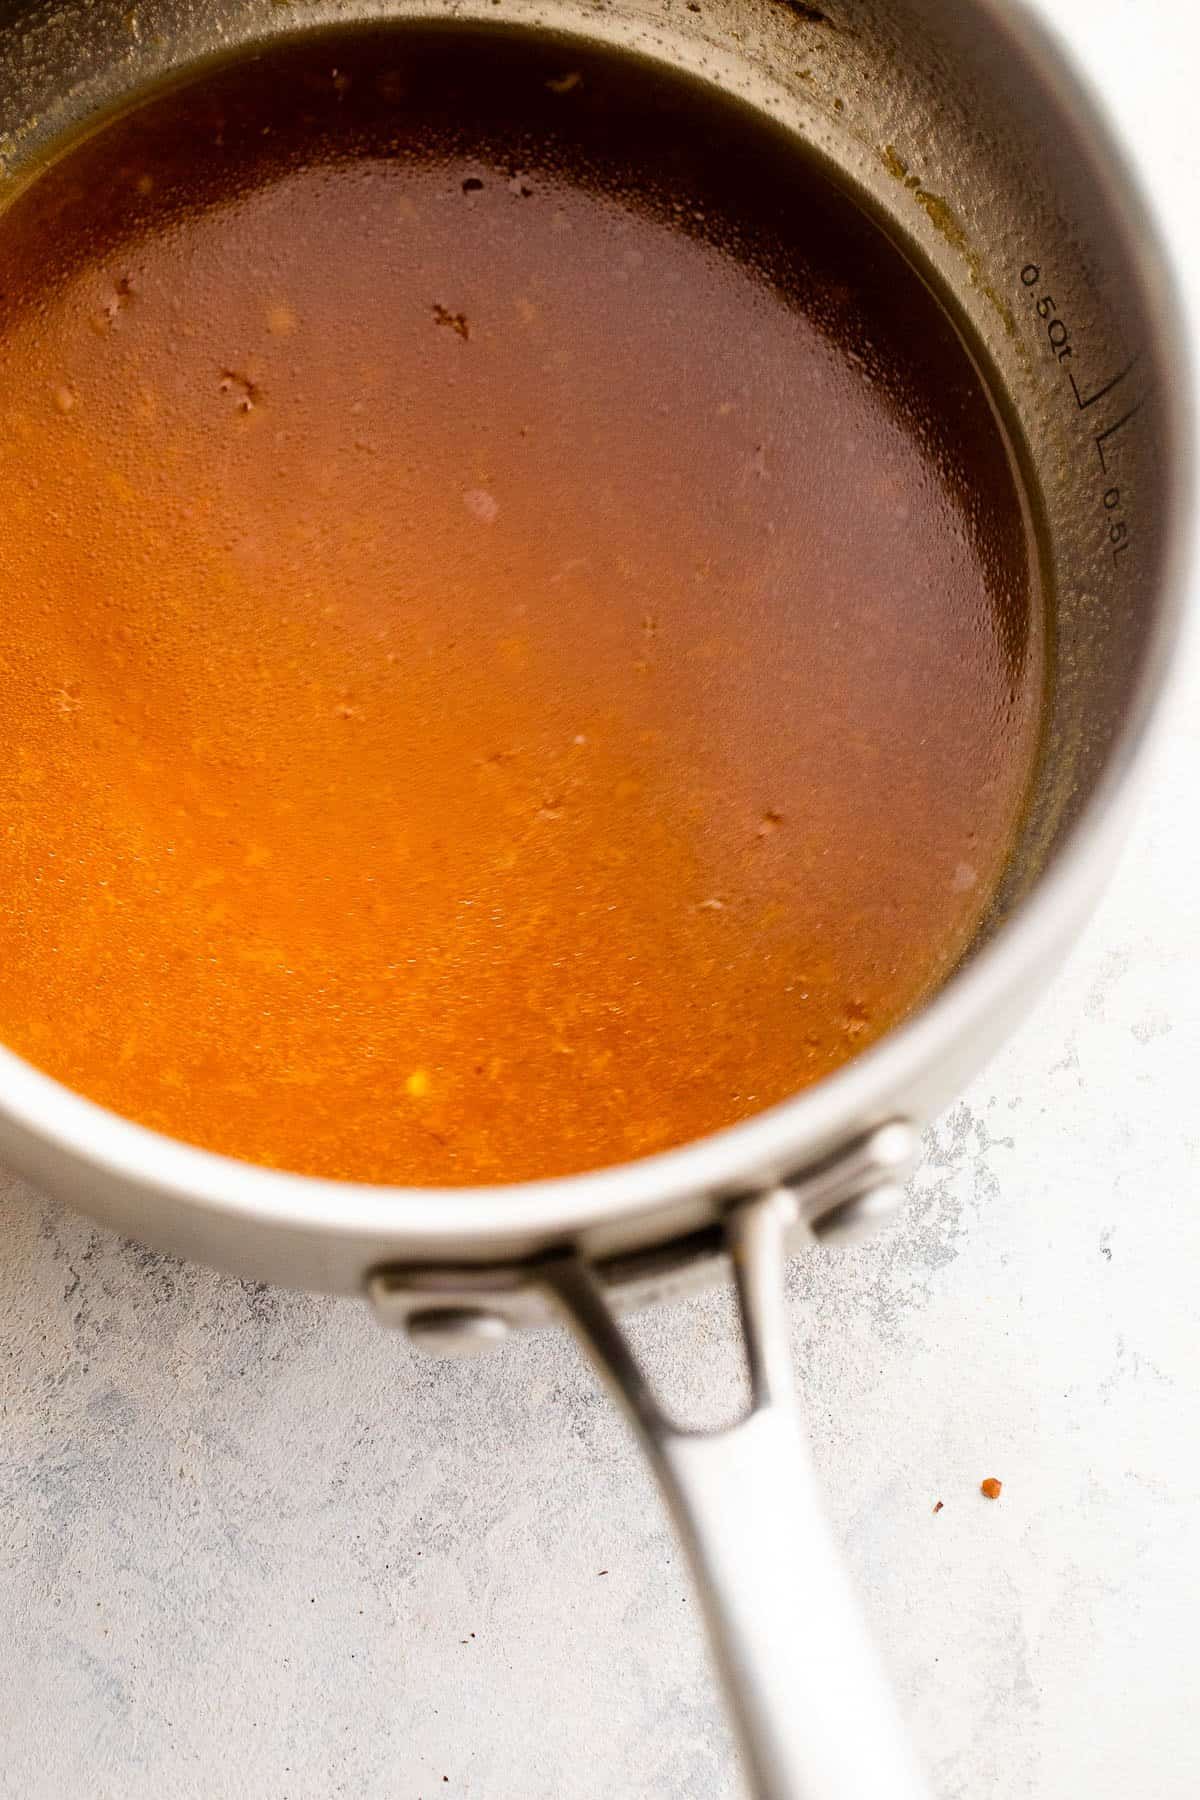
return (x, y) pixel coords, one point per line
(456, 1330)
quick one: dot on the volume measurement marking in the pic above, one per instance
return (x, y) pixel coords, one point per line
(1107, 440)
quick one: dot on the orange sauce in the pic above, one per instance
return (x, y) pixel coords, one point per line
(515, 654)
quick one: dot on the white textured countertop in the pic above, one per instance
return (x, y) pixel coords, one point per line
(252, 1546)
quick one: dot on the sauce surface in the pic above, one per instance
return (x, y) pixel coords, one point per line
(515, 652)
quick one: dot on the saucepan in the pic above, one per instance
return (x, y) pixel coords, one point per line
(957, 123)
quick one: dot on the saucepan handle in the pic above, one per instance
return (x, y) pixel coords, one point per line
(814, 1715)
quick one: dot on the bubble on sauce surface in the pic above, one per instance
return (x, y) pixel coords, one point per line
(481, 505)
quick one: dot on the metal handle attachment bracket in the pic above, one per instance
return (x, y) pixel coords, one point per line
(454, 1310)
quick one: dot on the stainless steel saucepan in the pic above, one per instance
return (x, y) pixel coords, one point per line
(958, 123)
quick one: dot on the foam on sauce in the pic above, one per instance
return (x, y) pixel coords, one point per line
(518, 643)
